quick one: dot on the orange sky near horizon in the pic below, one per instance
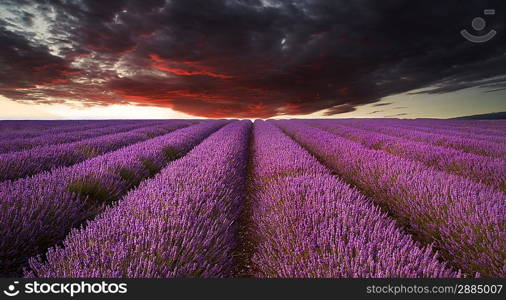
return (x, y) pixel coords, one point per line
(456, 104)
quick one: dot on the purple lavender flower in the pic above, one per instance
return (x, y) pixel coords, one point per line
(13, 142)
(37, 212)
(484, 169)
(181, 223)
(16, 165)
(465, 220)
(308, 223)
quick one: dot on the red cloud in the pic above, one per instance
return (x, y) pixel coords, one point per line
(195, 68)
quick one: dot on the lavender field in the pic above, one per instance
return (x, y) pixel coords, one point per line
(277, 198)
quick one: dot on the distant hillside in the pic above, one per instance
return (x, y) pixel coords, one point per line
(490, 116)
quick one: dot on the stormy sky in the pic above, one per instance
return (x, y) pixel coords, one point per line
(246, 58)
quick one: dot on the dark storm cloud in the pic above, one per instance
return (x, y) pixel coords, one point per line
(381, 104)
(248, 58)
(375, 112)
(396, 115)
(24, 65)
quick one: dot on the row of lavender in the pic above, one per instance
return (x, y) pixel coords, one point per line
(464, 219)
(305, 222)
(15, 143)
(39, 211)
(489, 170)
(479, 130)
(34, 129)
(479, 126)
(466, 144)
(467, 133)
(181, 223)
(24, 163)
(23, 125)
(308, 223)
